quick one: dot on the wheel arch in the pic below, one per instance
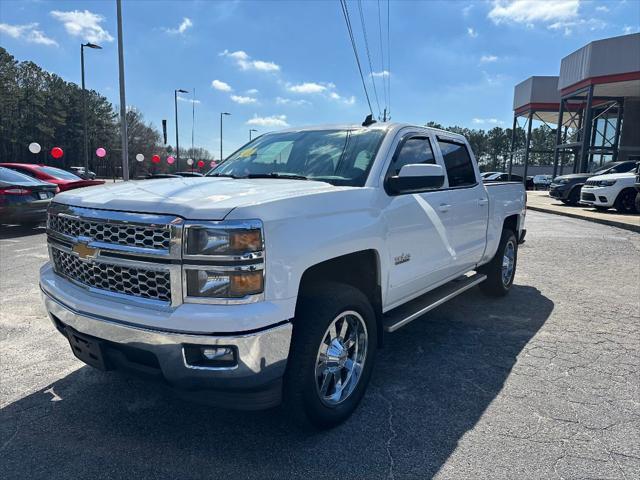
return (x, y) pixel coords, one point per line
(359, 269)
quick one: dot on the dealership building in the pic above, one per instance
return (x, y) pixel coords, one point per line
(593, 106)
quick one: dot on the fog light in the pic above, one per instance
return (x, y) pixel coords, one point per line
(208, 356)
(217, 353)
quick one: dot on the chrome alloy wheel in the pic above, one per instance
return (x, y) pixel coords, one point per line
(341, 358)
(508, 262)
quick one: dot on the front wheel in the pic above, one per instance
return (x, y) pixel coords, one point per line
(332, 356)
(501, 270)
(626, 201)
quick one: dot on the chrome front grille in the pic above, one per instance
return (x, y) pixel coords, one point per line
(124, 234)
(138, 282)
(592, 183)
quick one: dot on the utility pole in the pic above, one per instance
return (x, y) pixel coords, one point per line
(175, 102)
(221, 115)
(123, 102)
(84, 104)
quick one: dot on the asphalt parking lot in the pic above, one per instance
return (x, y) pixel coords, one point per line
(544, 383)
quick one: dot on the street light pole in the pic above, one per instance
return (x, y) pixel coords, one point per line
(251, 130)
(221, 114)
(175, 101)
(123, 102)
(84, 104)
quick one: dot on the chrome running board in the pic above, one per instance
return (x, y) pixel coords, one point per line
(404, 314)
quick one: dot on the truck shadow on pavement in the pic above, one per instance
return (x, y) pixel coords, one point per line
(432, 382)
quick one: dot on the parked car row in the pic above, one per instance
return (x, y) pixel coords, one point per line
(489, 177)
(26, 190)
(609, 186)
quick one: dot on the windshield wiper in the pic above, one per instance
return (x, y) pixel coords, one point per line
(288, 176)
(222, 175)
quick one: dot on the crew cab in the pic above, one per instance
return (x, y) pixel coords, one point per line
(275, 277)
(615, 190)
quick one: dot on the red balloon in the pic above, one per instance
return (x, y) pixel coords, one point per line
(155, 159)
(200, 163)
(56, 152)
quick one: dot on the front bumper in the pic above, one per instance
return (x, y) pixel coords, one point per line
(559, 191)
(253, 382)
(597, 196)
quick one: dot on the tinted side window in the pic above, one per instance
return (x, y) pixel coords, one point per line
(458, 164)
(413, 150)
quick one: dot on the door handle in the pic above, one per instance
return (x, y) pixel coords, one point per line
(483, 201)
(444, 207)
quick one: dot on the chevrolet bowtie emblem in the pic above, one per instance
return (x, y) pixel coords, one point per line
(84, 251)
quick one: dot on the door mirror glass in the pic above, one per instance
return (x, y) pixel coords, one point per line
(415, 178)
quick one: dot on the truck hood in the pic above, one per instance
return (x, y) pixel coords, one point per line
(204, 198)
(614, 176)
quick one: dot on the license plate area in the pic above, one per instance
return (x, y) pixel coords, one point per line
(87, 349)
(43, 195)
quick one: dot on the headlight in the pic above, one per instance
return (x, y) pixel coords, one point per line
(223, 239)
(216, 284)
(560, 181)
(223, 262)
(606, 183)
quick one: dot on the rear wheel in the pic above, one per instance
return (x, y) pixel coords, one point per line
(574, 196)
(501, 270)
(638, 202)
(332, 356)
(626, 201)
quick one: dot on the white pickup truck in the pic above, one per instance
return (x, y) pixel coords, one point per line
(274, 278)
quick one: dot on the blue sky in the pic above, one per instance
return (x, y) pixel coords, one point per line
(278, 63)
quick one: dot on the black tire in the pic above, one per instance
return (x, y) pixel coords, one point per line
(601, 209)
(638, 202)
(495, 285)
(314, 314)
(574, 196)
(626, 201)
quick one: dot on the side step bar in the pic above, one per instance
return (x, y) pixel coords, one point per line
(404, 314)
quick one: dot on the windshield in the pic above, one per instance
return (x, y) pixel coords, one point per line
(339, 157)
(58, 173)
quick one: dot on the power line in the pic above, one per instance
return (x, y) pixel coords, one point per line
(347, 19)
(384, 80)
(366, 45)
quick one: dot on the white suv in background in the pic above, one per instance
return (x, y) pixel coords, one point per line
(612, 190)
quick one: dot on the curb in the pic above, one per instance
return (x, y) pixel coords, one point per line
(603, 221)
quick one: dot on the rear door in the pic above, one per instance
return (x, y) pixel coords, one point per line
(469, 211)
(418, 242)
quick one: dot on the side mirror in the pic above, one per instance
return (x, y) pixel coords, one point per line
(416, 178)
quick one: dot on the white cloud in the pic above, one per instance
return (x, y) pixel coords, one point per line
(183, 27)
(590, 24)
(629, 29)
(222, 86)
(244, 61)
(488, 59)
(531, 11)
(252, 91)
(289, 101)
(307, 87)
(467, 10)
(85, 25)
(490, 121)
(28, 32)
(346, 100)
(190, 100)
(383, 73)
(271, 121)
(243, 100)
(602, 8)
(471, 32)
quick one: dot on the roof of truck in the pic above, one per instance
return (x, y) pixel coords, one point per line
(376, 126)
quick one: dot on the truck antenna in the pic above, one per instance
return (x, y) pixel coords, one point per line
(368, 120)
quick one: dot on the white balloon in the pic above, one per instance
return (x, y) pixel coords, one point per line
(190, 161)
(35, 147)
(140, 157)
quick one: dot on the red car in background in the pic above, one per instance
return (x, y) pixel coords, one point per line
(63, 179)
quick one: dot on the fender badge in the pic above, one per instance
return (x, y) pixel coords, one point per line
(402, 258)
(84, 251)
